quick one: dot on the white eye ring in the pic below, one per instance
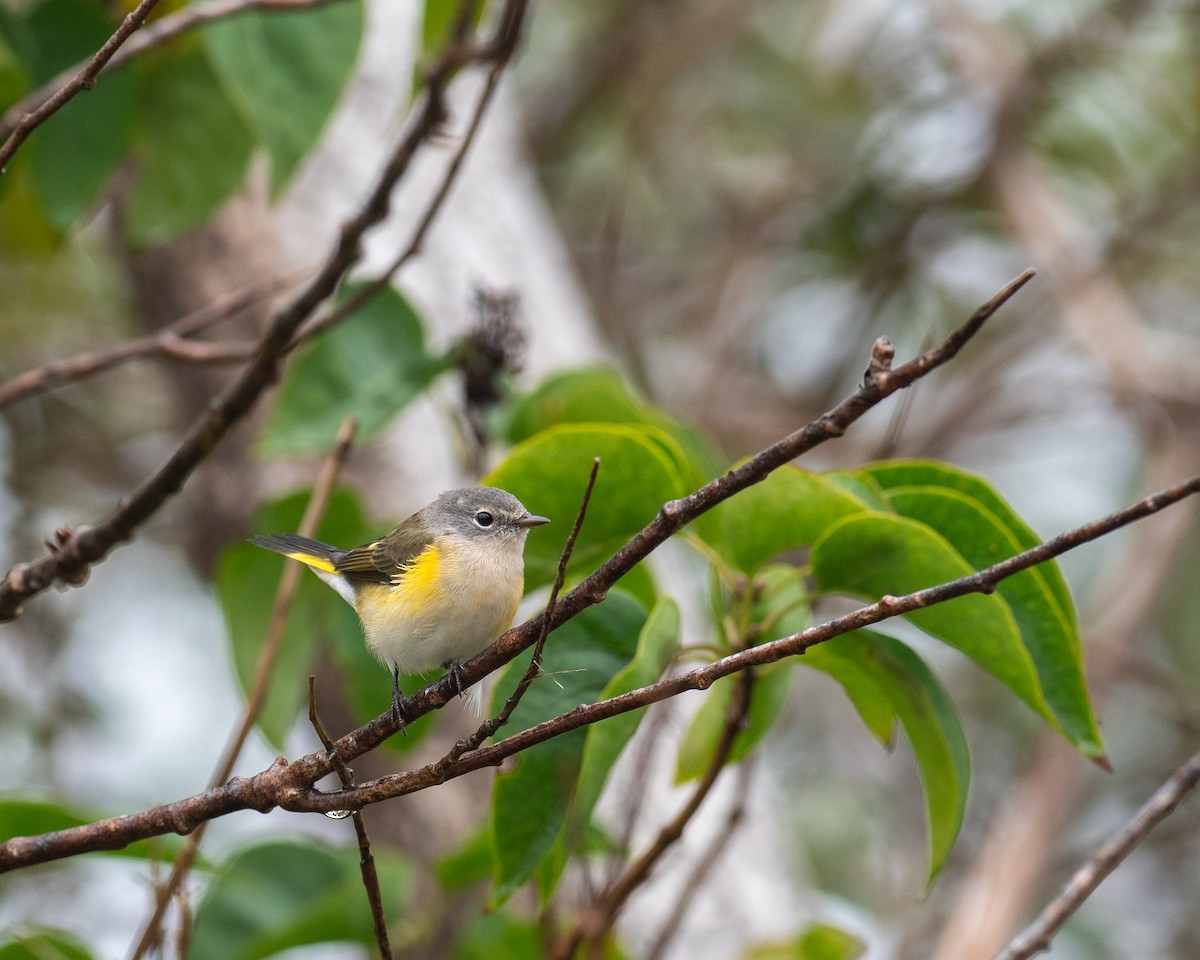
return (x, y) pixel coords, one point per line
(484, 519)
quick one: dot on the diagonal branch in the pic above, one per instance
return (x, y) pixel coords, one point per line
(159, 32)
(1037, 936)
(74, 552)
(85, 79)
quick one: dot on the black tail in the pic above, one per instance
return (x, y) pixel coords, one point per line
(294, 545)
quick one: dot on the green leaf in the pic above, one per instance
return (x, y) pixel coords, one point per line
(498, 936)
(656, 648)
(819, 941)
(891, 474)
(790, 508)
(279, 896)
(371, 365)
(548, 474)
(872, 555)
(42, 943)
(247, 579)
(191, 146)
(767, 696)
(1046, 631)
(878, 670)
(75, 152)
(13, 82)
(584, 395)
(597, 394)
(285, 72)
(530, 801)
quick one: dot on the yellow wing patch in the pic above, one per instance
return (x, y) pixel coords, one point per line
(317, 563)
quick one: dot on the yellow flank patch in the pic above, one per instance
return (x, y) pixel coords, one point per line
(417, 583)
(318, 563)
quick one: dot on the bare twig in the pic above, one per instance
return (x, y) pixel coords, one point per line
(264, 669)
(366, 859)
(171, 342)
(1037, 936)
(85, 79)
(598, 918)
(371, 288)
(156, 34)
(702, 869)
(75, 551)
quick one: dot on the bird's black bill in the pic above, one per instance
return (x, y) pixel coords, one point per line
(531, 521)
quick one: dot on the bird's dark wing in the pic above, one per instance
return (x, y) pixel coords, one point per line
(403, 545)
(358, 565)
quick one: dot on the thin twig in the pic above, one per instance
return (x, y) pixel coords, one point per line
(371, 288)
(597, 919)
(85, 79)
(489, 727)
(1037, 936)
(366, 859)
(153, 35)
(703, 867)
(264, 669)
(74, 551)
(171, 342)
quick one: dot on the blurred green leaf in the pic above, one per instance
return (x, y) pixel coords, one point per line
(583, 395)
(42, 943)
(279, 896)
(498, 935)
(530, 801)
(879, 672)
(371, 365)
(549, 471)
(471, 863)
(657, 644)
(285, 71)
(819, 941)
(191, 146)
(872, 555)
(75, 151)
(790, 508)
(247, 580)
(13, 81)
(1046, 632)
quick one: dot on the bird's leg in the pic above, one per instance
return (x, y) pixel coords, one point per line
(455, 669)
(397, 696)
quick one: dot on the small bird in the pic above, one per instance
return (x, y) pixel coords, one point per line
(436, 590)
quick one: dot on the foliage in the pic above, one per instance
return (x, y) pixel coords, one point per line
(772, 559)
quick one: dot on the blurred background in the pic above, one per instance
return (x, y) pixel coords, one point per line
(730, 200)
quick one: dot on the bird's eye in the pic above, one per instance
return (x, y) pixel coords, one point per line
(484, 519)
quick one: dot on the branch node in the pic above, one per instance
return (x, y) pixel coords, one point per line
(882, 355)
